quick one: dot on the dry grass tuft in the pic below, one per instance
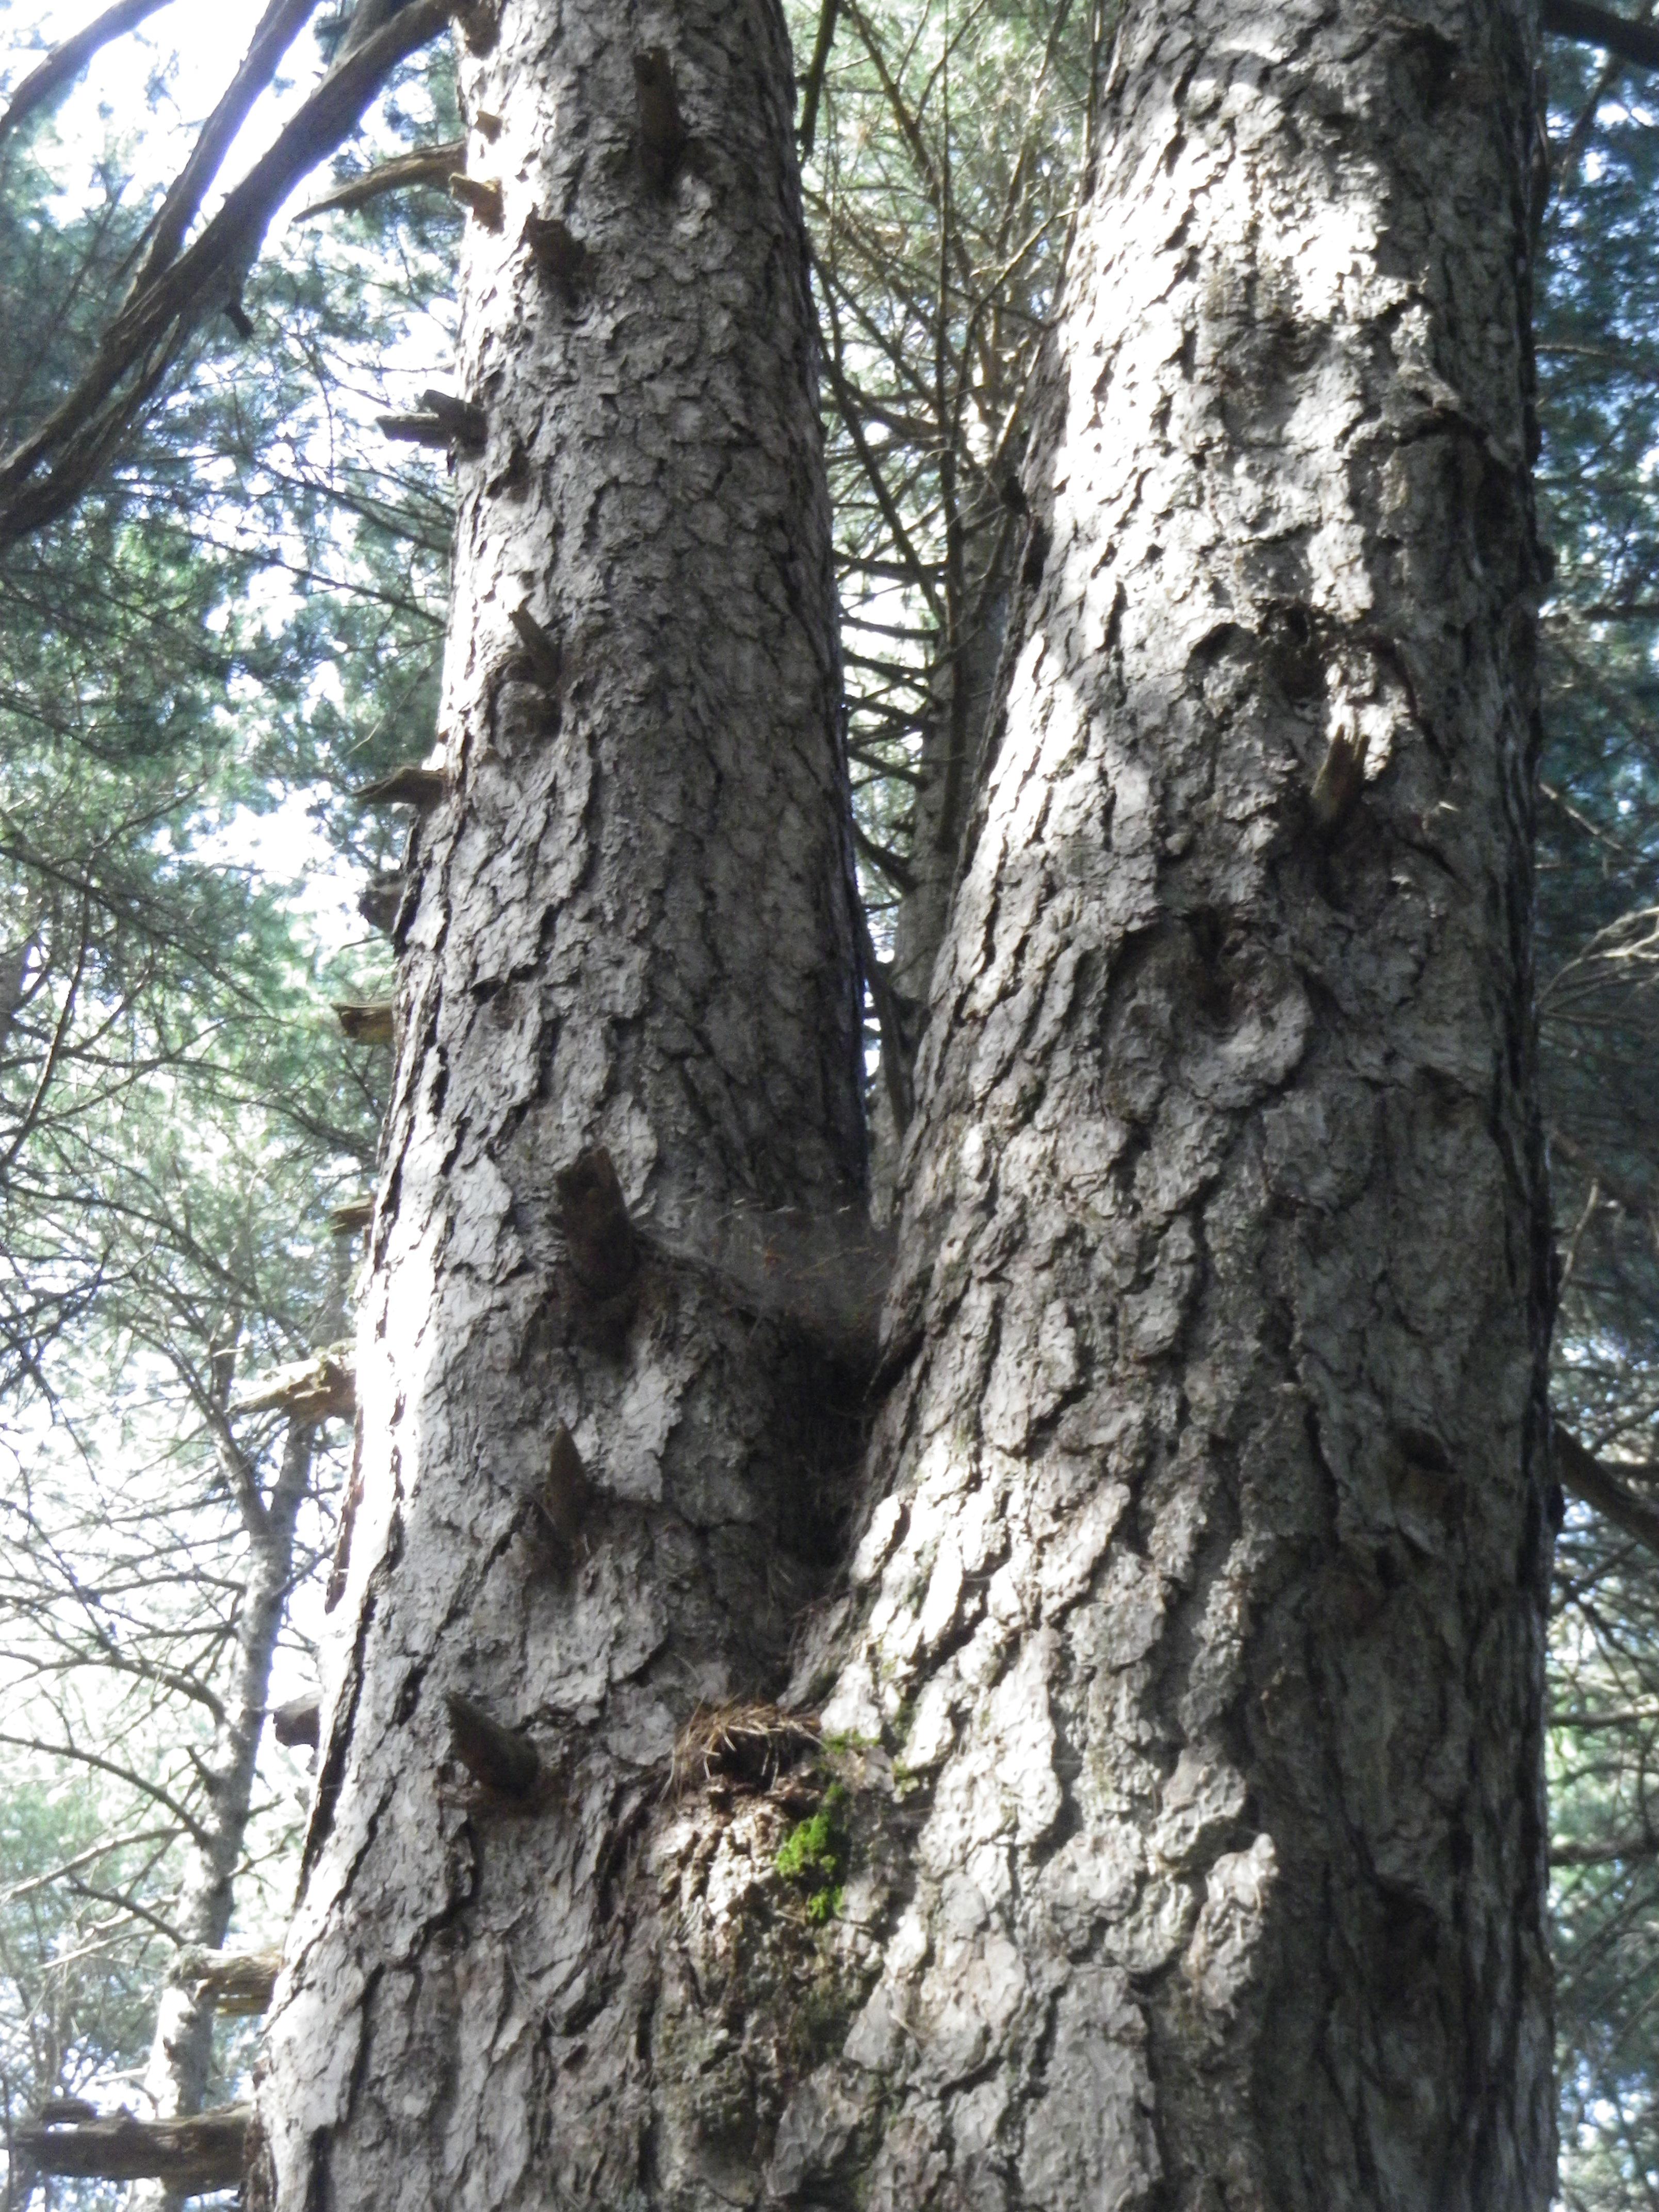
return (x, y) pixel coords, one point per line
(746, 1746)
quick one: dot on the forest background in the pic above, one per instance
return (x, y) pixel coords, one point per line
(239, 628)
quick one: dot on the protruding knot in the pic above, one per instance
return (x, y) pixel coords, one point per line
(566, 1496)
(499, 1758)
(593, 1214)
(556, 249)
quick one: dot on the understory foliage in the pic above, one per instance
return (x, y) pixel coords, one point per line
(244, 620)
(1599, 1002)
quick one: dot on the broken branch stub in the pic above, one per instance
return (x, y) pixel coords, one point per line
(467, 425)
(541, 647)
(499, 1758)
(554, 249)
(480, 196)
(566, 1495)
(298, 1722)
(410, 785)
(379, 902)
(440, 420)
(1340, 782)
(593, 1214)
(315, 1389)
(412, 429)
(367, 1021)
(238, 1983)
(428, 165)
(193, 2155)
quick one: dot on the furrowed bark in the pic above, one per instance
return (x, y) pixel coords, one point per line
(1201, 1608)
(1186, 1844)
(630, 947)
(181, 2053)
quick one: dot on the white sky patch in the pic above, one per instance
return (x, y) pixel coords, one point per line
(283, 850)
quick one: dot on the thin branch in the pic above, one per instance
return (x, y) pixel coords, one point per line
(21, 1889)
(812, 88)
(1637, 43)
(1565, 1853)
(146, 1789)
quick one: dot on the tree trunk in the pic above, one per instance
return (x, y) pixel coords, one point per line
(182, 2054)
(1202, 1606)
(1175, 1838)
(597, 1464)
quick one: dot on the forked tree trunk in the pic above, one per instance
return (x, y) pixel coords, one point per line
(594, 1482)
(1184, 1695)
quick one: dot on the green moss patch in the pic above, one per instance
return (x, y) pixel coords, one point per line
(813, 1855)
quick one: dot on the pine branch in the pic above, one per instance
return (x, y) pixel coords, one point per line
(1637, 43)
(1596, 1483)
(282, 23)
(195, 2155)
(146, 339)
(428, 165)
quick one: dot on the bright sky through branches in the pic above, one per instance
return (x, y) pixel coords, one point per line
(189, 48)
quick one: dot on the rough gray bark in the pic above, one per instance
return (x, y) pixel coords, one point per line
(1201, 1609)
(1186, 1847)
(584, 1506)
(181, 2053)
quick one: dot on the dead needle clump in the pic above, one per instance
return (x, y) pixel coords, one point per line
(746, 1746)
